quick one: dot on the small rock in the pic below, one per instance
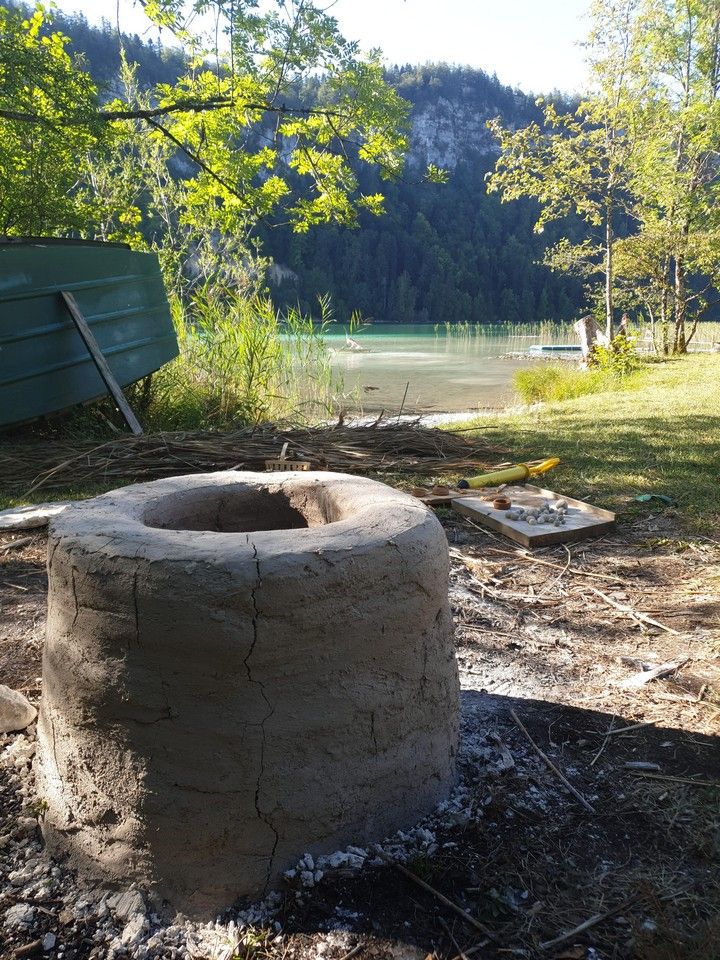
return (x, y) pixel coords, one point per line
(16, 711)
(20, 915)
(49, 941)
(19, 752)
(133, 930)
(25, 827)
(126, 904)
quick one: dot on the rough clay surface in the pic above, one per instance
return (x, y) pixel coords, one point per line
(16, 711)
(220, 696)
(30, 518)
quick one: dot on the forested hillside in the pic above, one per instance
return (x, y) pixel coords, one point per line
(443, 252)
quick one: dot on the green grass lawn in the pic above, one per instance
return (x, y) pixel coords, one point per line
(660, 436)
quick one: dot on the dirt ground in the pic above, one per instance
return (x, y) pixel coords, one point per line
(549, 642)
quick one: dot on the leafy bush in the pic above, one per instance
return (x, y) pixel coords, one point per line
(550, 382)
(242, 362)
(619, 357)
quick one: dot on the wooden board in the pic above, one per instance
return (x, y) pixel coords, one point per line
(100, 362)
(581, 521)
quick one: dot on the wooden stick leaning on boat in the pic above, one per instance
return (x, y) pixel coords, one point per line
(100, 362)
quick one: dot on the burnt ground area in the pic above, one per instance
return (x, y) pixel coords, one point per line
(557, 641)
(23, 596)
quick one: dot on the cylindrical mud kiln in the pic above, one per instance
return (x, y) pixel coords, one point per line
(241, 667)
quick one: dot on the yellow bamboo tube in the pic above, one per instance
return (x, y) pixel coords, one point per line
(518, 474)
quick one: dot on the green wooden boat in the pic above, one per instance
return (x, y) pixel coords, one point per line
(44, 364)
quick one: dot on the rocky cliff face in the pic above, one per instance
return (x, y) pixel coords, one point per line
(451, 108)
(444, 133)
(443, 252)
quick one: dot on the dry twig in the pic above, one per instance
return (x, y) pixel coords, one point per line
(604, 743)
(593, 921)
(460, 952)
(633, 613)
(16, 544)
(351, 953)
(551, 765)
(530, 558)
(662, 776)
(646, 676)
(632, 726)
(436, 893)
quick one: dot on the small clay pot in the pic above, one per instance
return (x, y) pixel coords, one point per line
(440, 491)
(502, 503)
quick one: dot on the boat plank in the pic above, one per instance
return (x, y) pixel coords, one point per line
(44, 364)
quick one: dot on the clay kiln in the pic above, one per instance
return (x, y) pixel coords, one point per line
(241, 667)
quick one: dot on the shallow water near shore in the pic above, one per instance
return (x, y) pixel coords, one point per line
(458, 367)
(443, 370)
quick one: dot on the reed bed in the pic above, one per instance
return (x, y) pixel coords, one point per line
(395, 448)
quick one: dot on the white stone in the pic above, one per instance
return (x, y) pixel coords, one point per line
(49, 941)
(133, 930)
(126, 904)
(19, 915)
(16, 711)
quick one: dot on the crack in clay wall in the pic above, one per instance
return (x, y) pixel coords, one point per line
(256, 625)
(304, 678)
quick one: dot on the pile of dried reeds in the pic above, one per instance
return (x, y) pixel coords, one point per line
(401, 448)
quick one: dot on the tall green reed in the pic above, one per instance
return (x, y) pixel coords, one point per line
(243, 362)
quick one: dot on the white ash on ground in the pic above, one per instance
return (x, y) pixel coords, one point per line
(43, 901)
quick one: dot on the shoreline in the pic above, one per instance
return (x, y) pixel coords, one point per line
(433, 419)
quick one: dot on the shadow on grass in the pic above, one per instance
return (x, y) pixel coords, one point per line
(615, 460)
(531, 862)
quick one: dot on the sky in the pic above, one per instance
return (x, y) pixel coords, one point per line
(531, 44)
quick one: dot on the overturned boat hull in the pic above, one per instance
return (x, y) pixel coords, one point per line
(44, 364)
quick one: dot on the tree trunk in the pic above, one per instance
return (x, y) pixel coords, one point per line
(653, 326)
(609, 305)
(693, 331)
(679, 343)
(664, 297)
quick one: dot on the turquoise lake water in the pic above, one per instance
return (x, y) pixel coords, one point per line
(443, 372)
